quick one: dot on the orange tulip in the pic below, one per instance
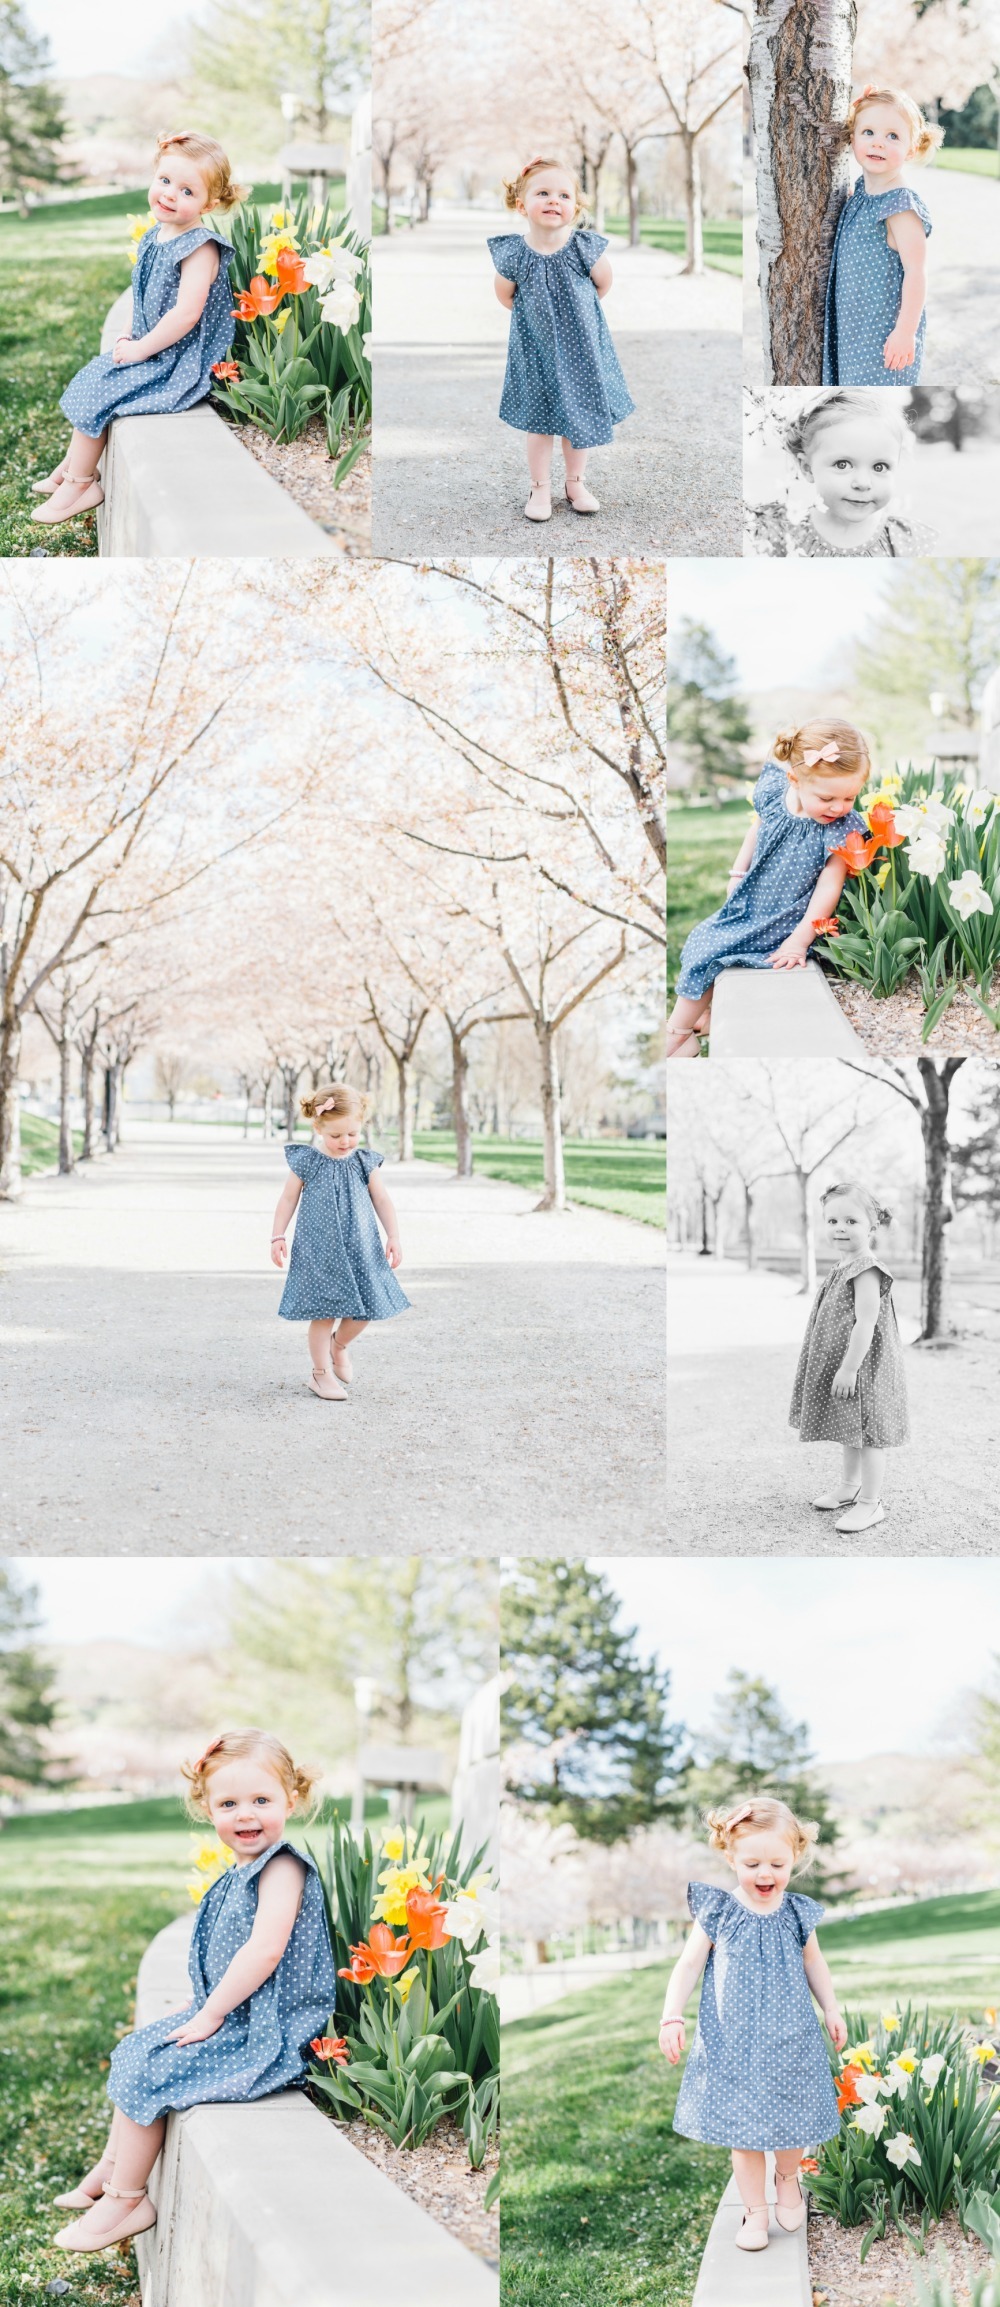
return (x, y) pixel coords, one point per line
(382, 1956)
(335, 2047)
(847, 2095)
(808, 2163)
(425, 1920)
(291, 272)
(827, 925)
(856, 852)
(226, 368)
(259, 298)
(883, 825)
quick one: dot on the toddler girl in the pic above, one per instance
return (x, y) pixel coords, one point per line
(788, 876)
(262, 1970)
(758, 2077)
(850, 448)
(339, 1272)
(850, 1385)
(875, 320)
(182, 320)
(562, 375)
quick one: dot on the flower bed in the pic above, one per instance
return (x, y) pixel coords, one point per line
(302, 291)
(921, 903)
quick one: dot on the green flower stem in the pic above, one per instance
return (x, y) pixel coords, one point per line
(427, 1997)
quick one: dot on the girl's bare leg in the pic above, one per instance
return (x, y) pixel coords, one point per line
(540, 446)
(575, 461)
(347, 1331)
(688, 1018)
(136, 2148)
(320, 1334)
(749, 2170)
(788, 2186)
(872, 1474)
(76, 478)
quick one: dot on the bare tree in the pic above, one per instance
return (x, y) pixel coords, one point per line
(799, 69)
(926, 1086)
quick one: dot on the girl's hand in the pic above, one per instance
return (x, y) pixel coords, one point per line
(393, 1251)
(844, 1383)
(900, 349)
(793, 953)
(198, 2029)
(126, 352)
(835, 2027)
(672, 2039)
(279, 1250)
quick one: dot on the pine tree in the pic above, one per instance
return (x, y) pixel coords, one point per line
(608, 1757)
(753, 1747)
(32, 126)
(706, 717)
(27, 1704)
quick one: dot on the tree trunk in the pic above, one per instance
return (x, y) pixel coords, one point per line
(799, 70)
(937, 1201)
(693, 204)
(751, 1219)
(247, 1108)
(291, 1076)
(632, 185)
(87, 1055)
(404, 1108)
(807, 1246)
(705, 1246)
(554, 1196)
(10, 1112)
(268, 1122)
(66, 1160)
(112, 1093)
(460, 1105)
(171, 1102)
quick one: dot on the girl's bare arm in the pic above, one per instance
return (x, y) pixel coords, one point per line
(197, 274)
(823, 902)
(384, 1209)
(681, 1984)
(288, 1200)
(867, 1299)
(746, 855)
(822, 1986)
(503, 290)
(279, 1898)
(600, 274)
(906, 235)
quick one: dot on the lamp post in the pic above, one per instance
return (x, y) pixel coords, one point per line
(365, 1695)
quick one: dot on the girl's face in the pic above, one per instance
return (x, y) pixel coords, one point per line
(762, 1861)
(825, 798)
(847, 1225)
(881, 139)
(854, 466)
(549, 200)
(247, 1805)
(339, 1134)
(178, 193)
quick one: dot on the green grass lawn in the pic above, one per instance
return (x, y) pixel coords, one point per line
(603, 2205)
(40, 1143)
(723, 240)
(971, 159)
(612, 1175)
(701, 846)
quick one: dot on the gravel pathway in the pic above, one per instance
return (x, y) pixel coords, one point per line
(739, 1479)
(451, 479)
(154, 1403)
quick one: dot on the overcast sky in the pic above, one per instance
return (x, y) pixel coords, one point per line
(103, 1597)
(89, 36)
(781, 632)
(876, 1655)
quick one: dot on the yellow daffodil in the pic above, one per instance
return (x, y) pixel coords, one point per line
(280, 323)
(984, 2051)
(394, 1846)
(390, 1906)
(882, 875)
(139, 225)
(863, 2055)
(210, 1861)
(890, 2021)
(403, 1985)
(279, 219)
(271, 249)
(907, 2061)
(990, 2018)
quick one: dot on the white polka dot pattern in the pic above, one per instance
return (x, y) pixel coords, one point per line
(863, 291)
(180, 375)
(771, 899)
(758, 2075)
(259, 2046)
(875, 1416)
(338, 1263)
(563, 373)
(772, 535)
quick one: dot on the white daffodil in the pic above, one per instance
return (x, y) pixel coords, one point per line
(931, 2070)
(474, 1913)
(330, 265)
(901, 2151)
(968, 895)
(485, 1968)
(925, 853)
(896, 2078)
(929, 815)
(872, 2120)
(979, 804)
(870, 2089)
(342, 306)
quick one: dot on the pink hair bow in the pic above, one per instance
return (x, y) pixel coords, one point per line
(830, 752)
(215, 1748)
(328, 1106)
(737, 1817)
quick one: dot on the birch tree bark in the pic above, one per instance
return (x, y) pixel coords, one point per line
(799, 70)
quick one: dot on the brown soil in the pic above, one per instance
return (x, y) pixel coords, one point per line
(305, 469)
(888, 2277)
(891, 1028)
(438, 2177)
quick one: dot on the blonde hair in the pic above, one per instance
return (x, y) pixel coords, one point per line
(761, 1810)
(513, 187)
(211, 162)
(802, 430)
(874, 1211)
(231, 1747)
(925, 136)
(853, 758)
(332, 1099)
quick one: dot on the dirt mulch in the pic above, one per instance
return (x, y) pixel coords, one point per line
(887, 2278)
(891, 1028)
(438, 2177)
(305, 469)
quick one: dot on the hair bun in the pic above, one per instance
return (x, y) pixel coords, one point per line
(784, 745)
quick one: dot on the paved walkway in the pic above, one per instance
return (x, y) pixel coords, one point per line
(963, 281)
(451, 479)
(740, 1481)
(154, 1403)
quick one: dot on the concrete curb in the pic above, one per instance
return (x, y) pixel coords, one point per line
(181, 485)
(777, 2277)
(784, 1013)
(269, 2205)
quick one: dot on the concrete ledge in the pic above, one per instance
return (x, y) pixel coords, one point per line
(268, 2205)
(181, 486)
(777, 2277)
(778, 1013)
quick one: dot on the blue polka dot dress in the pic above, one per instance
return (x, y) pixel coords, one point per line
(338, 1263)
(180, 375)
(875, 1416)
(563, 374)
(260, 2045)
(772, 898)
(864, 289)
(758, 2074)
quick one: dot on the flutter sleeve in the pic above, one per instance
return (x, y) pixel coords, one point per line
(505, 249)
(587, 247)
(769, 788)
(707, 1905)
(300, 1158)
(896, 202)
(806, 1913)
(369, 1160)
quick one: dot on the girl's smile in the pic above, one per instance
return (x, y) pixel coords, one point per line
(247, 1805)
(847, 1227)
(822, 798)
(881, 140)
(341, 1141)
(762, 1863)
(854, 468)
(178, 196)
